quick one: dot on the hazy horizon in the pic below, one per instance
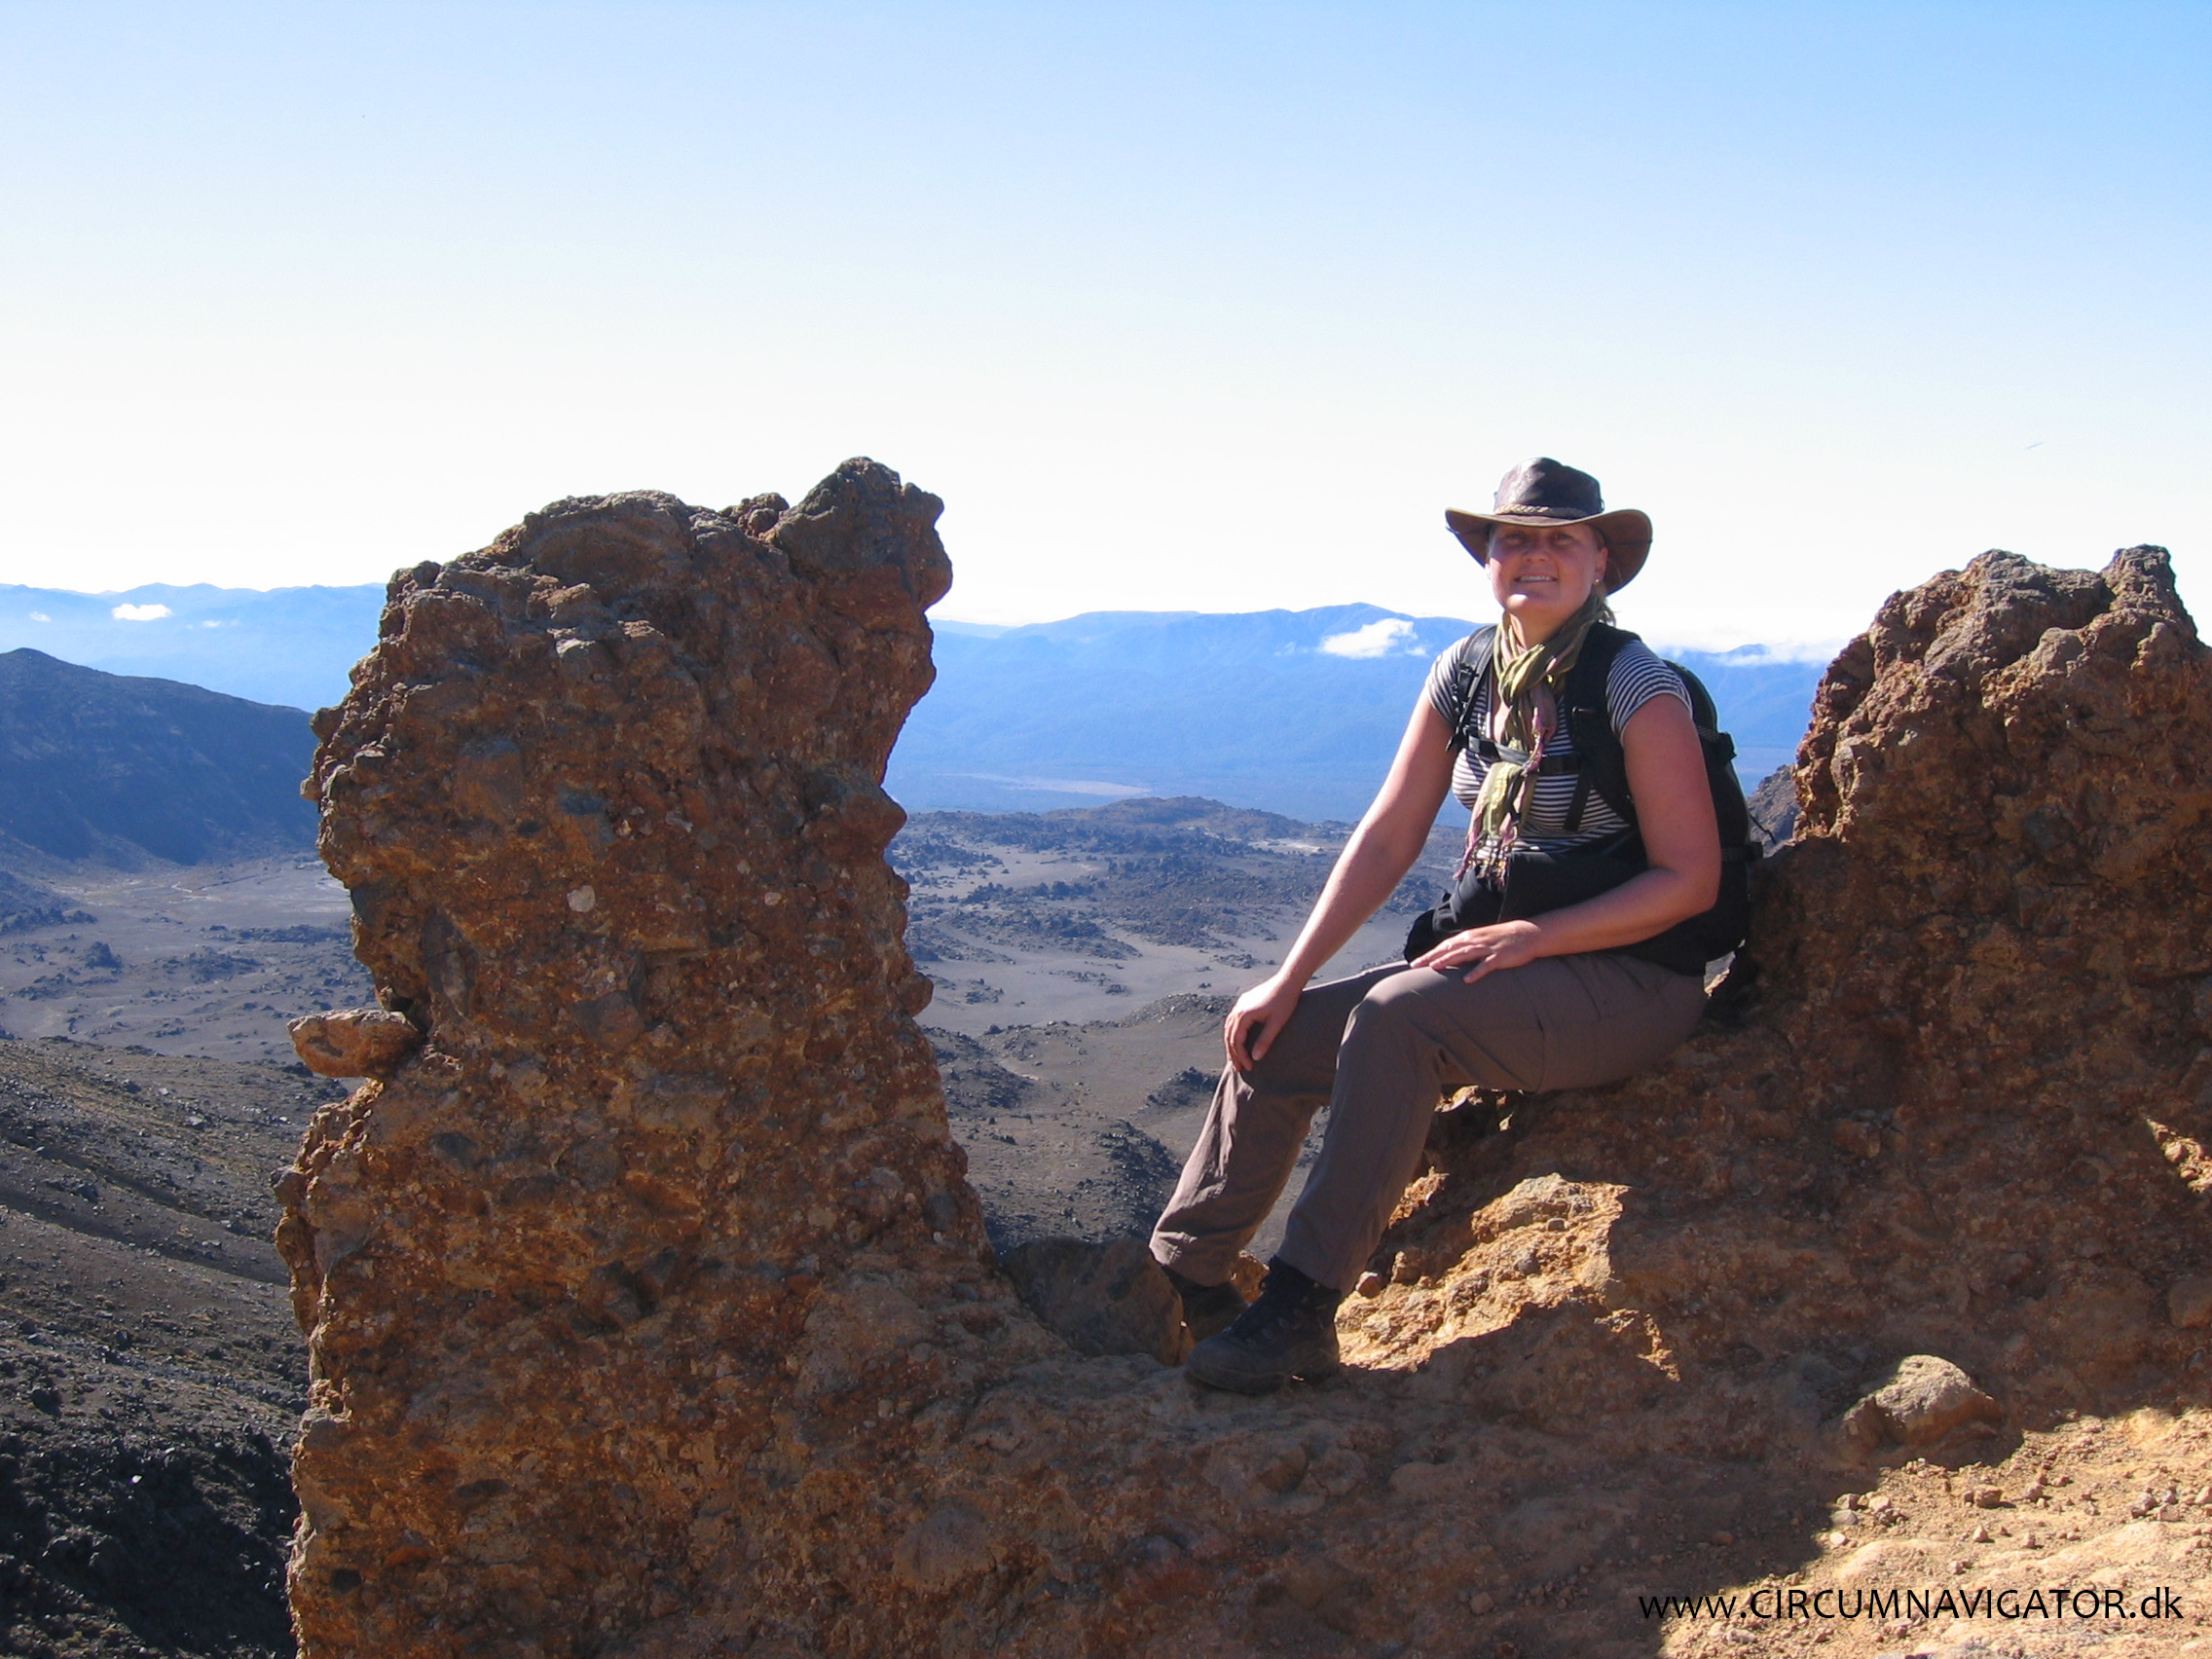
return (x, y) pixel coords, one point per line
(13, 634)
(1100, 704)
(1777, 648)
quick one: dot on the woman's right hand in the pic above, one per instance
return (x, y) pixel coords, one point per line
(1250, 1029)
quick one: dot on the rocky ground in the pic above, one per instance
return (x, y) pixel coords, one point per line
(2093, 1537)
(1083, 961)
(1078, 1130)
(205, 959)
(1033, 918)
(151, 1376)
(1585, 1531)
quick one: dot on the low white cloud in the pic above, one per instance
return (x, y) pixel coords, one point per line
(1390, 637)
(210, 624)
(1756, 655)
(40, 617)
(139, 613)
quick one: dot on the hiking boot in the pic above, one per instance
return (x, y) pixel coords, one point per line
(1206, 1307)
(1290, 1331)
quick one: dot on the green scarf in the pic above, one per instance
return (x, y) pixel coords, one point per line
(1517, 718)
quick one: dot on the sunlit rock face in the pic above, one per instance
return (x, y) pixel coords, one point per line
(649, 1311)
(606, 796)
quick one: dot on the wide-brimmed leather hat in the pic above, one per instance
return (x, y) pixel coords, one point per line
(1544, 491)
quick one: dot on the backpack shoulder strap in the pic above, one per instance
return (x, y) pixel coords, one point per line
(1585, 686)
(1470, 661)
(1590, 722)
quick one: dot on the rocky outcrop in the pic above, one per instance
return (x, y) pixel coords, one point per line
(1924, 1401)
(1773, 807)
(649, 1313)
(354, 1042)
(26, 905)
(606, 798)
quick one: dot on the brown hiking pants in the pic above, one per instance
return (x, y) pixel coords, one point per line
(1382, 1049)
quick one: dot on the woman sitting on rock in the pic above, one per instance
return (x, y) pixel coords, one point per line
(1555, 998)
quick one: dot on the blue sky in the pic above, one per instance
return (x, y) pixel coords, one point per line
(1194, 306)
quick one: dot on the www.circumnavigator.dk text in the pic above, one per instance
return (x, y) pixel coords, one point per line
(1775, 1602)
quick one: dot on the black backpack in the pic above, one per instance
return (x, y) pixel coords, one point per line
(1537, 882)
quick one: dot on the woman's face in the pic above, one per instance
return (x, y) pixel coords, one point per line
(1542, 574)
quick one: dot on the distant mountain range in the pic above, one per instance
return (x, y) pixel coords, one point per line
(286, 645)
(1295, 712)
(1291, 711)
(107, 769)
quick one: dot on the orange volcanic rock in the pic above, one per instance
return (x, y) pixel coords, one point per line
(607, 797)
(649, 1313)
(354, 1042)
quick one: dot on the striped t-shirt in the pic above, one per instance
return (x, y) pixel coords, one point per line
(1636, 678)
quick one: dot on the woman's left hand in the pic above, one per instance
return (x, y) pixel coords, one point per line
(1484, 950)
